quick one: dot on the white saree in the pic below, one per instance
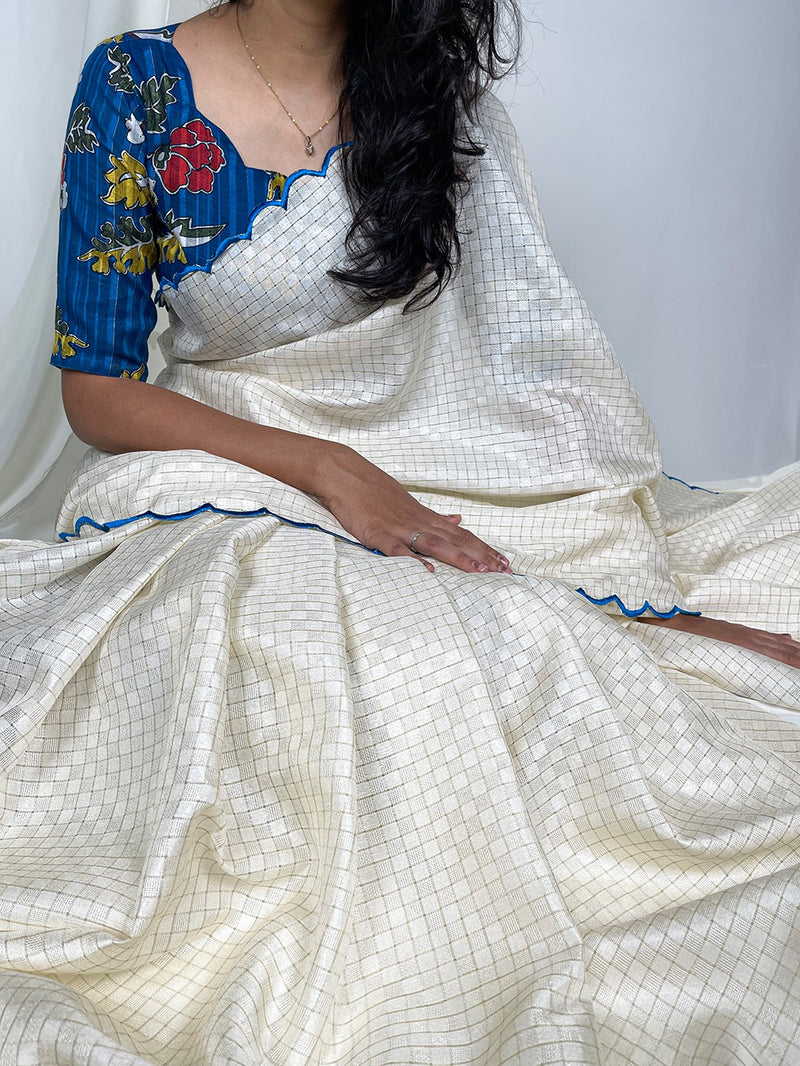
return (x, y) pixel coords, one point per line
(271, 798)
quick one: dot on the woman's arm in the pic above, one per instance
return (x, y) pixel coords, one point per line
(778, 646)
(122, 415)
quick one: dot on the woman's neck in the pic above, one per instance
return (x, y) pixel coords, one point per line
(291, 36)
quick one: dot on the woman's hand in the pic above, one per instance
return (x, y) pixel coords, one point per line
(378, 511)
(778, 646)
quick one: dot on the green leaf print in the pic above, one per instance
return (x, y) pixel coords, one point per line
(156, 95)
(79, 137)
(188, 233)
(129, 248)
(120, 76)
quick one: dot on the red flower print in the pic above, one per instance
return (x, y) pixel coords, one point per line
(190, 160)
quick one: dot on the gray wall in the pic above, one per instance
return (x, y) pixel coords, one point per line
(664, 138)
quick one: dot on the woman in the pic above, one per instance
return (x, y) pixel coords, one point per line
(275, 798)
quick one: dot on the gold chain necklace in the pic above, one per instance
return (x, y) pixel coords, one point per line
(254, 61)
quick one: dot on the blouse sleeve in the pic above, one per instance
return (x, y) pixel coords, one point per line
(108, 244)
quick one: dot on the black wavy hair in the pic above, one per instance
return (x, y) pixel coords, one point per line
(413, 72)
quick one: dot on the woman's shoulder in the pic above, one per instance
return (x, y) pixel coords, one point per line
(127, 62)
(138, 78)
(139, 42)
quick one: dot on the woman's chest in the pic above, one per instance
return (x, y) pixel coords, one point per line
(269, 285)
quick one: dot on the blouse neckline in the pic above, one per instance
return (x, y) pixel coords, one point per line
(223, 135)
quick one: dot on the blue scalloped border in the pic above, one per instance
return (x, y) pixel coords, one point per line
(205, 268)
(205, 508)
(694, 488)
(638, 613)
(264, 512)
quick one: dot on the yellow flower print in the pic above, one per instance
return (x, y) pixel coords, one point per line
(129, 182)
(275, 188)
(131, 260)
(135, 260)
(137, 374)
(171, 249)
(65, 343)
(181, 234)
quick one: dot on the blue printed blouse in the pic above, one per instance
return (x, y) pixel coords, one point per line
(149, 188)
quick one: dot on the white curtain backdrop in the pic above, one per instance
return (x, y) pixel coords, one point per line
(41, 53)
(663, 138)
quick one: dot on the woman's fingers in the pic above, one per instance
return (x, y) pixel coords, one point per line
(778, 646)
(440, 537)
(462, 549)
(400, 549)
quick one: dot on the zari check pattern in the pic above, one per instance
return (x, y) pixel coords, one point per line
(270, 799)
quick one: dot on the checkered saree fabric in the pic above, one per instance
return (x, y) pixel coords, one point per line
(269, 798)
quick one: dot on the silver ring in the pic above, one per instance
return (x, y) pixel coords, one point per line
(414, 541)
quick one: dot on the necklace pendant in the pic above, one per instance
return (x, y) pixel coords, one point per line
(309, 146)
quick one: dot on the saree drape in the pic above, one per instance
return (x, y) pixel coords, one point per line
(272, 798)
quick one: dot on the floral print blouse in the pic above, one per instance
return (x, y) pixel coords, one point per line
(149, 189)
